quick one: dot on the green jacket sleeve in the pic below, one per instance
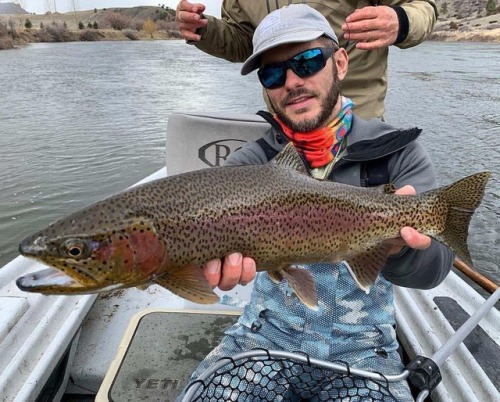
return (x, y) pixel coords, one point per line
(229, 37)
(422, 16)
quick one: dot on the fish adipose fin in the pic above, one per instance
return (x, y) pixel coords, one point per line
(462, 198)
(189, 283)
(366, 266)
(290, 158)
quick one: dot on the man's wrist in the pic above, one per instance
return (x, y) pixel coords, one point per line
(404, 24)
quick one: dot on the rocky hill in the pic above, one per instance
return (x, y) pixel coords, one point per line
(458, 20)
(11, 8)
(461, 9)
(467, 21)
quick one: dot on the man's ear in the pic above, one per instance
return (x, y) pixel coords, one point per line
(342, 62)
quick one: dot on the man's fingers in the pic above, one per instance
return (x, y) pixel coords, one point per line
(185, 5)
(231, 271)
(372, 27)
(249, 271)
(406, 190)
(414, 239)
(185, 17)
(212, 271)
(361, 14)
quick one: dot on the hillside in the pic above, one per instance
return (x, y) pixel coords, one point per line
(103, 17)
(133, 23)
(458, 21)
(467, 21)
(11, 8)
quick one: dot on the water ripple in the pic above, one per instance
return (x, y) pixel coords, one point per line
(80, 121)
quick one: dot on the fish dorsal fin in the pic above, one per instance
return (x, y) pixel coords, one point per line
(388, 189)
(290, 158)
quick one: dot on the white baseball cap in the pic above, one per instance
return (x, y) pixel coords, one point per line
(295, 23)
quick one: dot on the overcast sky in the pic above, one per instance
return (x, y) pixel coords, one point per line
(63, 6)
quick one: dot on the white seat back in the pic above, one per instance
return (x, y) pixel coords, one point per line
(197, 141)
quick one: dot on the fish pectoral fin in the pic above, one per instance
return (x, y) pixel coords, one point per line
(144, 286)
(189, 283)
(303, 284)
(366, 266)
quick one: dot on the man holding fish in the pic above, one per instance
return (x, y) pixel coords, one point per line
(330, 249)
(295, 52)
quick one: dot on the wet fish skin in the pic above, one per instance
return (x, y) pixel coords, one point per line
(163, 231)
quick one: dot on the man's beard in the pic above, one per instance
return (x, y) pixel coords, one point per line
(326, 109)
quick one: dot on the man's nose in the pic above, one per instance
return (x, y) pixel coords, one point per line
(293, 80)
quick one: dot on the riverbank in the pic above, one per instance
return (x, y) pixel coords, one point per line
(133, 23)
(471, 29)
(130, 24)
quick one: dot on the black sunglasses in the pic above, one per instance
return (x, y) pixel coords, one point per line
(304, 64)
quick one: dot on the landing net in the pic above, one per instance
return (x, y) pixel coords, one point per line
(262, 375)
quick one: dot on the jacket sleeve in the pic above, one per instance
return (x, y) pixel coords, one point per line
(229, 37)
(421, 17)
(420, 269)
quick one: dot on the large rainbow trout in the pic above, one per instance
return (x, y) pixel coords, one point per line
(163, 232)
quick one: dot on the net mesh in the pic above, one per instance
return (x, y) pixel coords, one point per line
(272, 378)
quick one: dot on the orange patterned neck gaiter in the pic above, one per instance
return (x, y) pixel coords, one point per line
(320, 146)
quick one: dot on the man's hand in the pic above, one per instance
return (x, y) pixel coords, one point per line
(409, 236)
(372, 27)
(233, 270)
(188, 17)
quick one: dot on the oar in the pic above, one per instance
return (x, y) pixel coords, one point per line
(486, 283)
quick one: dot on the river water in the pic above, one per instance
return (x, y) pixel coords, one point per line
(80, 121)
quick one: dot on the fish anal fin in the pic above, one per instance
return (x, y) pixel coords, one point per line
(302, 283)
(366, 266)
(189, 283)
(275, 276)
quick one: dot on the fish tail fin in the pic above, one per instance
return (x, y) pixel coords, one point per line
(462, 198)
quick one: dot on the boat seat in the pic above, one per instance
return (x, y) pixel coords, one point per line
(197, 141)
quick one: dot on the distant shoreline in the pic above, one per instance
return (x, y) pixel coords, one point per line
(480, 35)
(57, 27)
(85, 35)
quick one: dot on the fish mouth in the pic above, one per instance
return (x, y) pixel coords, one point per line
(52, 281)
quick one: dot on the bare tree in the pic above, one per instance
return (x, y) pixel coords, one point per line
(150, 27)
(48, 5)
(75, 6)
(118, 21)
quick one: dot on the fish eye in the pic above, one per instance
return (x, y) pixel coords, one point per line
(75, 248)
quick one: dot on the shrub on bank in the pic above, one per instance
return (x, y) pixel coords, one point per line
(118, 21)
(54, 33)
(90, 35)
(6, 41)
(130, 34)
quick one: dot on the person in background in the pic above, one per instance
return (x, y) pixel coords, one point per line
(300, 66)
(366, 30)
